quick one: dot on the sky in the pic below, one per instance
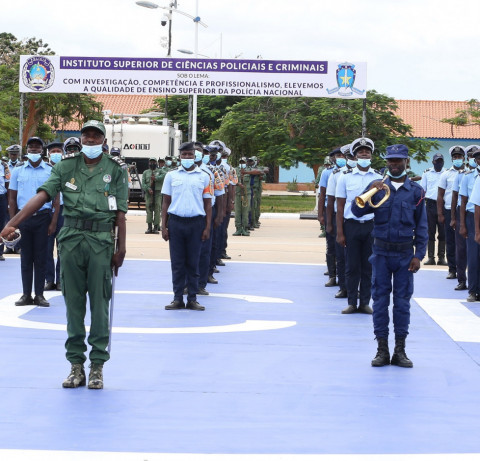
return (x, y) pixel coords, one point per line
(414, 49)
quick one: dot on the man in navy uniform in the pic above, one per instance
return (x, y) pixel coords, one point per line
(186, 217)
(400, 224)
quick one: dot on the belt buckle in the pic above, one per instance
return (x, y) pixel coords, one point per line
(87, 225)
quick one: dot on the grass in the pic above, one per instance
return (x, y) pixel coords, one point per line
(287, 204)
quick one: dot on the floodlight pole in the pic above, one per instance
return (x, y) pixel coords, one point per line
(364, 118)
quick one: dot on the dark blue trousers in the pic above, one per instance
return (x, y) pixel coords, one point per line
(205, 252)
(386, 268)
(473, 256)
(3, 215)
(185, 243)
(225, 224)
(215, 243)
(330, 253)
(358, 270)
(339, 256)
(33, 257)
(460, 250)
(52, 271)
(449, 241)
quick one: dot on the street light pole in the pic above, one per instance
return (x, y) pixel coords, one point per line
(195, 102)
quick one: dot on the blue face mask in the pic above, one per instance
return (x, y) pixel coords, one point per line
(457, 163)
(34, 157)
(219, 156)
(364, 162)
(55, 158)
(187, 162)
(242, 166)
(351, 163)
(206, 159)
(472, 162)
(397, 177)
(168, 163)
(198, 156)
(341, 162)
(92, 152)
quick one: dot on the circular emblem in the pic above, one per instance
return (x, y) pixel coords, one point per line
(38, 73)
(363, 142)
(107, 178)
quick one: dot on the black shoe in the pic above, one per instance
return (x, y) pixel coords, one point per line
(216, 271)
(225, 256)
(39, 300)
(429, 262)
(203, 292)
(25, 300)
(58, 286)
(342, 293)
(326, 273)
(350, 310)
(332, 282)
(442, 261)
(149, 231)
(451, 275)
(383, 354)
(365, 309)
(195, 306)
(399, 357)
(9, 251)
(175, 305)
(472, 297)
(220, 263)
(185, 291)
(212, 279)
(2, 258)
(49, 286)
(461, 286)
(156, 230)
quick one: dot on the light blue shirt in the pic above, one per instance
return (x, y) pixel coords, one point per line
(3, 180)
(458, 180)
(26, 180)
(187, 190)
(475, 197)
(466, 187)
(350, 185)
(324, 177)
(430, 179)
(447, 178)
(332, 184)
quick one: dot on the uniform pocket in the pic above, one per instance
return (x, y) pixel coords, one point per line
(107, 285)
(408, 214)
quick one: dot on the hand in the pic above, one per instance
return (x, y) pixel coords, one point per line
(205, 234)
(377, 185)
(165, 235)
(477, 237)
(52, 227)
(150, 191)
(328, 228)
(8, 233)
(414, 265)
(453, 224)
(441, 219)
(463, 231)
(117, 261)
(341, 240)
(217, 222)
(321, 219)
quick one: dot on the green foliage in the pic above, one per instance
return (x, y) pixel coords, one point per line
(42, 112)
(468, 116)
(292, 186)
(286, 131)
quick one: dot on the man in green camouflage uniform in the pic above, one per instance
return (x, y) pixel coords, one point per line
(94, 187)
(257, 193)
(242, 199)
(152, 182)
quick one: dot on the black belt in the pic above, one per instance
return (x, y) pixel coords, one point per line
(192, 218)
(430, 200)
(45, 211)
(361, 221)
(81, 224)
(390, 246)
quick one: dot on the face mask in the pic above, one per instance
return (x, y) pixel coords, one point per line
(364, 162)
(168, 163)
(92, 152)
(13, 162)
(219, 156)
(472, 162)
(242, 166)
(458, 163)
(187, 162)
(397, 177)
(224, 161)
(198, 156)
(351, 163)
(153, 166)
(206, 159)
(341, 162)
(34, 157)
(55, 158)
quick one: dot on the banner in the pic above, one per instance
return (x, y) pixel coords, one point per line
(170, 76)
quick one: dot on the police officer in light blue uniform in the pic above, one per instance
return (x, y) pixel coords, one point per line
(400, 241)
(186, 216)
(353, 232)
(26, 179)
(444, 205)
(467, 229)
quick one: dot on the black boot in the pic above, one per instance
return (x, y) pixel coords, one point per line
(399, 356)
(149, 230)
(156, 230)
(441, 254)
(383, 354)
(431, 254)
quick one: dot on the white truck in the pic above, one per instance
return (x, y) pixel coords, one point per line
(139, 138)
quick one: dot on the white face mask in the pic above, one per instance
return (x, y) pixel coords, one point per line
(224, 161)
(92, 152)
(34, 157)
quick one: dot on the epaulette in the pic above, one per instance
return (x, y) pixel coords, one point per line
(415, 184)
(19, 164)
(330, 167)
(347, 171)
(428, 169)
(336, 171)
(119, 162)
(378, 172)
(72, 155)
(48, 164)
(468, 172)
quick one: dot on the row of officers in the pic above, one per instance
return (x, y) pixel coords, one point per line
(374, 248)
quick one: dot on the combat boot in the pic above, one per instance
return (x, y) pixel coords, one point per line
(246, 233)
(149, 230)
(95, 378)
(383, 354)
(441, 254)
(239, 231)
(431, 252)
(76, 377)
(399, 356)
(156, 230)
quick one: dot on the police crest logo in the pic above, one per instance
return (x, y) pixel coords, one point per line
(346, 74)
(38, 73)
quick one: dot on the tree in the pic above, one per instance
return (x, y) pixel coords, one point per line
(286, 131)
(42, 112)
(468, 116)
(210, 110)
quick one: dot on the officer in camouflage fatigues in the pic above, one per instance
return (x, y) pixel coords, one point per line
(242, 199)
(152, 182)
(95, 189)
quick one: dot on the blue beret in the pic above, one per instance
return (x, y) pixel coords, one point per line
(397, 151)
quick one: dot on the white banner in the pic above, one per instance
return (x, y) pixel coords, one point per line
(169, 76)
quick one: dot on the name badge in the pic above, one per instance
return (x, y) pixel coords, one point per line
(71, 186)
(112, 203)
